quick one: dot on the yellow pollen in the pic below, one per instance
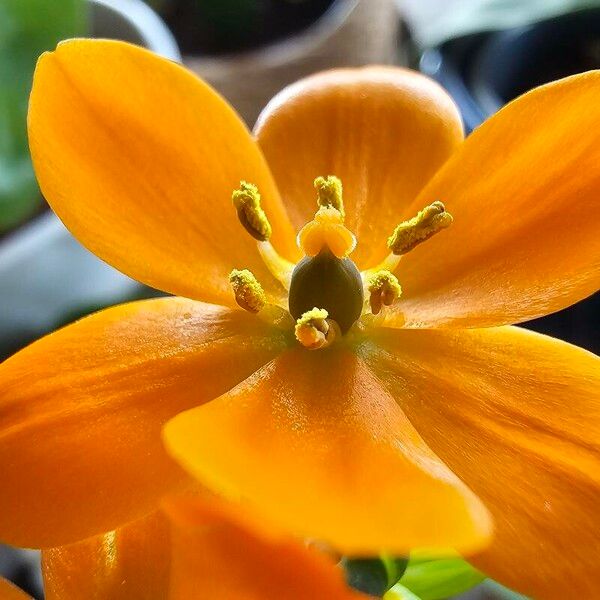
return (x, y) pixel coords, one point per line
(329, 193)
(326, 229)
(248, 292)
(313, 329)
(384, 290)
(411, 233)
(246, 200)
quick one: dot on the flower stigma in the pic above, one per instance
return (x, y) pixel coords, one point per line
(326, 290)
(329, 193)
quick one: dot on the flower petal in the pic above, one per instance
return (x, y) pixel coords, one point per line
(139, 159)
(524, 191)
(220, 553)
(81, 412)
(130, 563)
(516, 415)
(383, 131)
(315, 444)
(8, 591)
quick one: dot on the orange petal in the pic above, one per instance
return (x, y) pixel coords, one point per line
(131, 563)
(220, 553)
(315, 444)
(516, 415)
(8, 591)
(383, 131)
(524, 191)
(81, 412)
(139, 158)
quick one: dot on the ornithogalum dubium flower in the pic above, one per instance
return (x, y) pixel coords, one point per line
(340, 355)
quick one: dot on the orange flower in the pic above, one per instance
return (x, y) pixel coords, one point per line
(408, 425)
(196, 548)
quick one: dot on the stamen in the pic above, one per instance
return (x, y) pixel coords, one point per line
(329, 193)
(428, 222)
(384, 290)
(248, 292)
(314, 330)
(389, 263)
(279, 267)
(247, 203)
(326, 230)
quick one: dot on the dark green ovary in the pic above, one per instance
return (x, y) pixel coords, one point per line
(325, 281)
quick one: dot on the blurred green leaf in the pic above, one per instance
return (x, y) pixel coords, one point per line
(399, 592)
(27, 28)
(437, 579)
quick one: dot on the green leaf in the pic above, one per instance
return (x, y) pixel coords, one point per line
(27, 28)
(399, 592)
(396, 567)
(437, 579)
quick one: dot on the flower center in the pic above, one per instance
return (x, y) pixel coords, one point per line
(326, 289)
(326, 278)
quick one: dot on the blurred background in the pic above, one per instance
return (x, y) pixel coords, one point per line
(484, 52)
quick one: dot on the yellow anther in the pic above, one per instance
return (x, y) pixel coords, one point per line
(428, 222)
(329, 193)
(246, 200)
(326, 229)
(384, 290)
(248, 292)
(313, 329)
